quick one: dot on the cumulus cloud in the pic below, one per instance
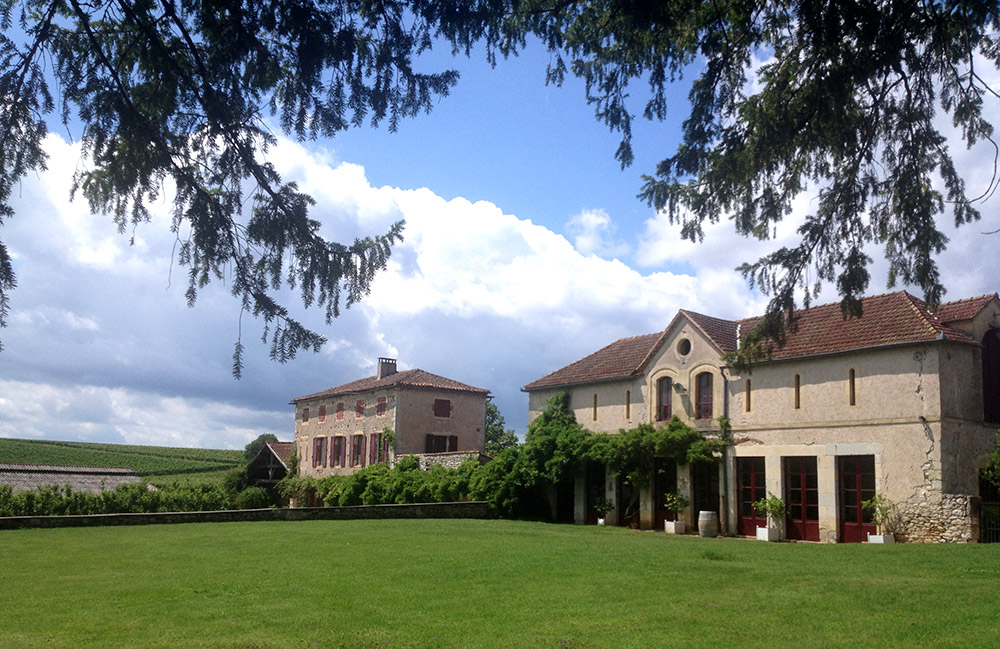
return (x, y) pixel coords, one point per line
(593, 233)
(101, 344)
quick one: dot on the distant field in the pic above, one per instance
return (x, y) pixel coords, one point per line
(158, 464)
(481, 584)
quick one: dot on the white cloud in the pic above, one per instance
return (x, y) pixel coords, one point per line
(593, 233)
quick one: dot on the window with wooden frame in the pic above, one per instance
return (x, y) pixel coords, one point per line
(305, 415)
(746, 396)
(664, 398)
(322, 413)
(798, 391)
(359, 409)
(378, 449)
(440, 443)
(319, 452)
(340, 410)
(358, 450)
(703, 398)
(338, 452)
(442, 408)
(852, 393)
(380, 406)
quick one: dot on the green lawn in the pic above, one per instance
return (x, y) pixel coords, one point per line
(482, 584)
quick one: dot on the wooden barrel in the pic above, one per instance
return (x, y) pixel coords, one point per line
(708, 524)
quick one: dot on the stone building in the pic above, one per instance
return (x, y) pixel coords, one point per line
(342, 429)
(902, 402)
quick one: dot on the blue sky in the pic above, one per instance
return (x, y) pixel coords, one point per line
(525, 249)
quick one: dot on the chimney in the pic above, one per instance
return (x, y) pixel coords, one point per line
(386, 367)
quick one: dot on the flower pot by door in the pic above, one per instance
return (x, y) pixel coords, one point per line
(767, 534)
(673, 527)
(888, 537)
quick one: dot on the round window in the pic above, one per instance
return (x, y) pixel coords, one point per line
(683, 346)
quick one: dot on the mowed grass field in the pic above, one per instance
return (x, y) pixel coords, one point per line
(471, 583)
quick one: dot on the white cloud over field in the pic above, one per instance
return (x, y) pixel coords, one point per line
(101, 345)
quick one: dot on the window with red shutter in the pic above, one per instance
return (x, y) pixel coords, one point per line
(359, 409)
(453, 443)
(322, 413)
(380, 406)
(358, 452)
(305, 415)
(340, 410)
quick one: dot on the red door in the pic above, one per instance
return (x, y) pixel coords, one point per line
(750, 476)
(802, 498)
(856, 476)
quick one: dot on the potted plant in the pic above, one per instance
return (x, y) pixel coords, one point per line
(773, 508)
(675, 503)
(882, 510)
(602, 506)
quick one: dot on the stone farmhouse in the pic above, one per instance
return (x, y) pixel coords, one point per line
(902, 402)
(340, 430)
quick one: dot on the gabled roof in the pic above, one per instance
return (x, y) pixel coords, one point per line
(621, 359)
(415, 379)
(890, 319)
(282, 450)
(966, 309)
(90, 479)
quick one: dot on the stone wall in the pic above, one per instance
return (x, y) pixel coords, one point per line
(952, 520)
(361, 512)
(449, 460)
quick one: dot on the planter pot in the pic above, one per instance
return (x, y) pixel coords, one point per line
(673, 527)
(768, 534)
(600, 521)
(888, 537)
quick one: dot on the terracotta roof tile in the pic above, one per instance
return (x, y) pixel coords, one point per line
(889, 319)
(893, 318)
(282, 450)
(721, 332)
(620, 359)
(405, 379)
(965, 309)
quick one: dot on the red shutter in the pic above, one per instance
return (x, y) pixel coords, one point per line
(372, 448)
(429, 444)
(453, 443)
(340, 410)
(322, 413)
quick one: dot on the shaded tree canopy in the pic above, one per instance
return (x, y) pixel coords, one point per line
(251, 450)
(846, 99)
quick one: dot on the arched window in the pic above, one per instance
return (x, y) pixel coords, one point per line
(991, 376)
(704, 396)
(664, 390)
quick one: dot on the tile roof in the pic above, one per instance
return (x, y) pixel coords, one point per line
(415, 378)
(722, 332)
(90, 479)
(282, 450)
(621, 359)
(893, 318)
(889, 319)
(963, 309)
